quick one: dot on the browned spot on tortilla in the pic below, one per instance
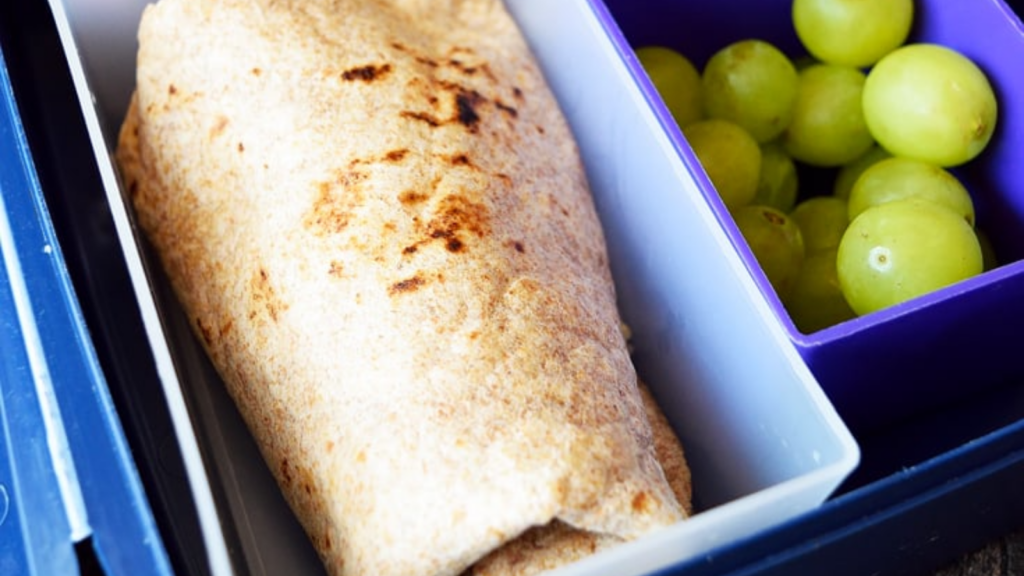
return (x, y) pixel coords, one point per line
(455, 214)
(172, 89)
(367, 73)
(641, 502)
(407, 285)
(412, 197)
(241, 147)
(256, 71)
(453, 244)
(461, 66)
(540, 129)
(517, 92)
(226, 328)
(396, 155)
(334, 204)
(285, 471)
(337, 269)
(219, 126)
(263, 297)
(518, 246)
(361, 456)
(329, 446)
(133, 188)
(460, 159)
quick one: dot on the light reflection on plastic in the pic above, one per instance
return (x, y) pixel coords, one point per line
(4, 504)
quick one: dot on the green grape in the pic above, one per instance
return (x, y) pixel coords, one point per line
(730, 157)
(898, 178)
(778, 183)
(677, 81)
(775, 241)
(989, 261)
(753, 84)
(828, 127)
(850, 171)
(931, 103)
(852, 32)
(822, 221)
(817, 301)
(903, 249)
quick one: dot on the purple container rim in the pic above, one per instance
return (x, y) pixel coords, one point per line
(831, 334)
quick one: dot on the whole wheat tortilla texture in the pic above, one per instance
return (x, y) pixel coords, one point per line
(556, 544)
(377, 222)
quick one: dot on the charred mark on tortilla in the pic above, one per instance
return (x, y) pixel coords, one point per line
(367, 73)
(451, 242)
(407, 285)
(204, 330)
(461, 66)
(422, 117)
(172, 89)
(510, 110)
(419, 58)
(518, 245)
(466, 103)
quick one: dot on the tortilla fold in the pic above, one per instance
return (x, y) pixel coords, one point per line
(556, 544)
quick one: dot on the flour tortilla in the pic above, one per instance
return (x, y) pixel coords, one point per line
(556, 544)
(377, 222)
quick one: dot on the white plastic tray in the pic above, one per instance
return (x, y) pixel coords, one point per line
(763, 442)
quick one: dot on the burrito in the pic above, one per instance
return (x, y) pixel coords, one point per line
(375, 217)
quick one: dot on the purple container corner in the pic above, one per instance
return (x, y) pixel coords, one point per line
(934, 350)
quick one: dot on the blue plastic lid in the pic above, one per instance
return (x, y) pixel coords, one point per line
(66, 475)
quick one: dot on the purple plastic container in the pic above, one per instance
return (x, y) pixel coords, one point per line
(917, 356)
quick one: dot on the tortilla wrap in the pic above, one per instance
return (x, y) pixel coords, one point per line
(377, 222)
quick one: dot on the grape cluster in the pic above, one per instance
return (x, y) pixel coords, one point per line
(886, 119)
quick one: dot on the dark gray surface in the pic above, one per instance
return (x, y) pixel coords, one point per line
(1003, 557)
